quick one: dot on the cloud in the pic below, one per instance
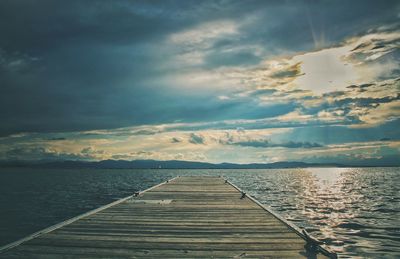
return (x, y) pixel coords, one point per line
(16, 62)
(358, 154)
(58, 138)
(135, 155)
(176, 140)
(379, 114)
(126, 74)
(291, 71)
(36, 153)
(203, 34)
(232, 57)
(93, 154)
(374, 45)
(165, 80)
(196, 139)
(262, 143)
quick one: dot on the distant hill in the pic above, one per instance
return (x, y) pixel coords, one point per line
(154, 164)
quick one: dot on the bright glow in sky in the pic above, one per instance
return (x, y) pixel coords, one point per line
(326, 70)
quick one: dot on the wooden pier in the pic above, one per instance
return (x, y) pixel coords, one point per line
(186, 217)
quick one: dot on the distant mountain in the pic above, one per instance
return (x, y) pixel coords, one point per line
(154, 164)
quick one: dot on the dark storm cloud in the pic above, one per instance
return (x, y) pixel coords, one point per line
(80, 65)
(298, 25)
(88, 65)
(44, 25)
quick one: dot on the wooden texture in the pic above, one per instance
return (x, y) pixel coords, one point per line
(187, 217)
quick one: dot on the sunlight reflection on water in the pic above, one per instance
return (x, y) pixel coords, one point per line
(355, 211)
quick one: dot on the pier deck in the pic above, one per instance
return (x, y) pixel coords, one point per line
(185, 217)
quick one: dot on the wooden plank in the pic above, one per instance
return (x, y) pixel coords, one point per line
(186, 217)
(186, 231)
(247, 235)
(60, 252)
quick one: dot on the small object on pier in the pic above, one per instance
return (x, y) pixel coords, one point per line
(167, 181)
(243, 195)
(226, 181)
(312, 243)
(136, 194)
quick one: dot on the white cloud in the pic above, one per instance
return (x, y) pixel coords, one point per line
(295, 116)
(381, 113)
(204, 34)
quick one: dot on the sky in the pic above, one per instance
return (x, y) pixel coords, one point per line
(212, 81)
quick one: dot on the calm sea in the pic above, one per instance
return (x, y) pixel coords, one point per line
(356, 211)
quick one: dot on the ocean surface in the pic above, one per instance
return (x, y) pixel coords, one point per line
(356, 211)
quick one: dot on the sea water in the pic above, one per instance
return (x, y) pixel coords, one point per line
(356, 211)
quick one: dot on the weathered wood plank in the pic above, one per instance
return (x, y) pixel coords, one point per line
(186, 231)
(214, 235)
(59, 252)
(166, 245)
